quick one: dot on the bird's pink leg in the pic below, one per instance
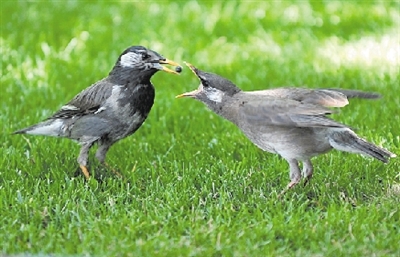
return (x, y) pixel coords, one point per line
(292, 184)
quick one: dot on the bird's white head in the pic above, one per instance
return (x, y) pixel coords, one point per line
(143, 59)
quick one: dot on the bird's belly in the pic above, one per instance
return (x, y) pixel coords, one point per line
(291, 143)
(130, 124)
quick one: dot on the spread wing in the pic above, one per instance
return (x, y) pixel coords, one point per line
(88, 101)
(272, 111)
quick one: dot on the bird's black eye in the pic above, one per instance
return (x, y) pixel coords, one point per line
(145, 55)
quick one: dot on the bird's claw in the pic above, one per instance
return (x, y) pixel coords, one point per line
(288, 187)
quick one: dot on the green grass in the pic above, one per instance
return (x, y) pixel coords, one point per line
(192, 184)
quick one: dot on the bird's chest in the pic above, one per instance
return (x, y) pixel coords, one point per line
(130, 107)
(134, 101)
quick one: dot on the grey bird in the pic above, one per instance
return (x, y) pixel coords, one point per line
(110, 109)
(291, 122)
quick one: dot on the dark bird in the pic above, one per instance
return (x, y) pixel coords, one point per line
(291, 122)
(110, 109)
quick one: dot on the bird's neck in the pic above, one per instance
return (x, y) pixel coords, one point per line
(226, 108)
(122, 76)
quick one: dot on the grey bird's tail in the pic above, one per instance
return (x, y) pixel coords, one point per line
(344, 139)
(49, 127)
(22, 131)
(357, 94)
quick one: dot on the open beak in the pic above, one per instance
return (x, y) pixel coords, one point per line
(194, 92)
(188, 94)
(166, 61)
(192, 68)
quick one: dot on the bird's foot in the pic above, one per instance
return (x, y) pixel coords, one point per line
(288, 187)
(85, 171)
(292, 184)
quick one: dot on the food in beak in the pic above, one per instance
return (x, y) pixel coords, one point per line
(177, 70)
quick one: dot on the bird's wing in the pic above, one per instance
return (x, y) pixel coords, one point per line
(88, 101)
(272, 111)
(323, 97)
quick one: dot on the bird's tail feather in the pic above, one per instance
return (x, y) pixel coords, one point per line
(357, 94)
(21, 131)
(46, 128)
(348, 141)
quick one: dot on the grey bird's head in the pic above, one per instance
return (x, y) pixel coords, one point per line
(212, 89)
(139, 60)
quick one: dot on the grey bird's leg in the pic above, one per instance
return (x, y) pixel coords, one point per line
(83, 158)
(295, 173)
(101, 153)
(307, 171)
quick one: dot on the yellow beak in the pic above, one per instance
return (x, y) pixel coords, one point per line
(188, 94)
(194, 92)
(166, 61)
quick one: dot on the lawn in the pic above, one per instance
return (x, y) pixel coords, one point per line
(192, 184)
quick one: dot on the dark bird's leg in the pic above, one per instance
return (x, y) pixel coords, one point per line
(307, 171)
(101, 153)
(83, 158)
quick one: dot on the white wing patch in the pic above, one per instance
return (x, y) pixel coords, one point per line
(130, 60)
(100, 110)
(69, 107)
